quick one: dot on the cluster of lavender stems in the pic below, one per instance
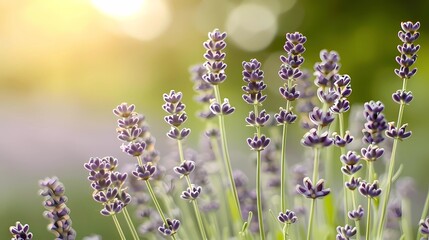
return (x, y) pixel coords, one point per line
(333, 89)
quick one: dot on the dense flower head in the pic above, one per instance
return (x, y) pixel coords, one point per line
(20, 232)
(294, 47)
(177, 116)
(408, 51)
(57, 211)
(215, 56)
(309, 190)
(326, 70)
(254, 78)
(375, 122)
(353, 183)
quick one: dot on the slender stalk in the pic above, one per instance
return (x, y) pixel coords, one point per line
(286, 231)
(316, 165)
(118, 227)
(226, 157)
(283, 169)
(155, 201)
(130, 224)
(310, 219)
(194, 202)
(368, 219)
(406, 218)
(391, 167)
(357, 223)
(258, 195)
(343, 152)
(424, 213)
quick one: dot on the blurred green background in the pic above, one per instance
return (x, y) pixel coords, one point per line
(64, 65)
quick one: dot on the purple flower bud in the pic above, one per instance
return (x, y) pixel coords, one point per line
(134, 149)
(313, 139)
(177, 134)
(289, 93)
(321, 118)
(170, 228)
(258, 143)
(351, 158)
(372, 153)
(112, 208)
(288, 217)
(356, 214)
(424, 226)
(353, 183)
(401, 96)
(144, 172)
(346, 232)
(284, 117)
(260, 120)
(400, 133)
(20, 232)
(224, 109)
(176, 119)
(172, 97)
(329, 96)
(342, 141)
(123, 110)
(310, 191)
(370, 190)
(191, 193)
(185, 168)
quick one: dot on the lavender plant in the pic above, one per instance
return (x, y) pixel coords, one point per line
(219, 210)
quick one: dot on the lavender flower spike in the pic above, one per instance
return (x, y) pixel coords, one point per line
(170, 228)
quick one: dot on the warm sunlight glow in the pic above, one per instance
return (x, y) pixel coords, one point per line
(119, 8)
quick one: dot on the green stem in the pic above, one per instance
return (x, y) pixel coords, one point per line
(406, 218)
(155, 201)
(368, 219)
(343, 152)
(118, 227)
(391, 167)
(424, 213)
(316, 165)
(194, 202)
(258, 195)
(283, 179)
(130, 224)
(310, 219)
(286, 231)
(356, 222)
(226, 157)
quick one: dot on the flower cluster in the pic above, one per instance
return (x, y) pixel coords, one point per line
(20, 232)
(408, 51)
(108, 184)
(57, 211)
(214, 58)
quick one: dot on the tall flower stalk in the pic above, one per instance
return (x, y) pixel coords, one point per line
(215, 75)
(289, 72)
(177, 116)
(408, 55)
(254, 78)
